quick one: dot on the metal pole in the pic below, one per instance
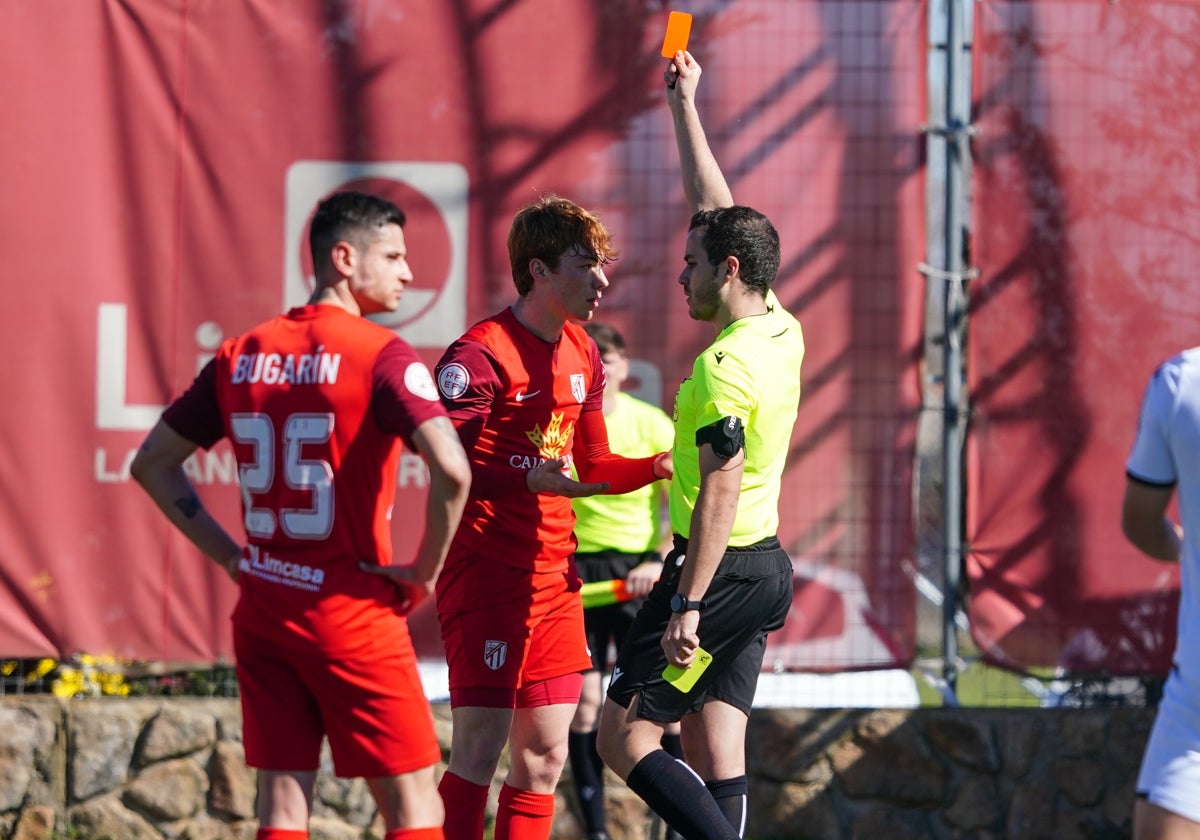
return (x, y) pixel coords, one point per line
(958, 95)
(947, 177)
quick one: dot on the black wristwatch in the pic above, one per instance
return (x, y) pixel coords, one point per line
(680, 604)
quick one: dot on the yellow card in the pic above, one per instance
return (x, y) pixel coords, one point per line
(685, 678)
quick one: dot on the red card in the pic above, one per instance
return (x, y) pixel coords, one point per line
(679, 26)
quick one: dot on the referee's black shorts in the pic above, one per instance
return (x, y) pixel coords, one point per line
(749, 597)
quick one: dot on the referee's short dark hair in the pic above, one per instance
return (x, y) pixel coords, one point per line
(744, 233)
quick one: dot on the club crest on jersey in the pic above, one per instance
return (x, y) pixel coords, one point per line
(551, 441)
(495, 654)
(578, 387)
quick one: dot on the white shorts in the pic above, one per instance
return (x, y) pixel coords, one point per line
(1170, 773)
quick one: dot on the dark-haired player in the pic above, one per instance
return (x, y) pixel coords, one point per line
(728, 582)
(315, 403)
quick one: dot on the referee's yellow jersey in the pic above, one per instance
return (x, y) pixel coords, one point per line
(752, 372)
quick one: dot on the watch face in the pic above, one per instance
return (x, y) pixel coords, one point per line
(681, 604)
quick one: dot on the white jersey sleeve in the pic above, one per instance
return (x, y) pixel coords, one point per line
(1151, 460)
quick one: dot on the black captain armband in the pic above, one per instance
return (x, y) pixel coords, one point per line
(727, 437)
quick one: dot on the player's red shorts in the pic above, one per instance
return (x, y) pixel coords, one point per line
(370, 704)
(506, 628)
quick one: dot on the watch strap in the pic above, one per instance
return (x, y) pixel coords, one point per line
(680, 604)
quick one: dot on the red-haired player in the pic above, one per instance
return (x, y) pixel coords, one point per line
(525, 388)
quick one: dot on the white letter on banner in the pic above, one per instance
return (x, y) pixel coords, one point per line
(111, 410)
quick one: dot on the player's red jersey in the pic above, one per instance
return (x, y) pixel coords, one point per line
(315, 403)
(516, 401)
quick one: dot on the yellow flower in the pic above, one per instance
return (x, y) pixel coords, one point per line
(69, 683)
(112, 684)
(44, 667)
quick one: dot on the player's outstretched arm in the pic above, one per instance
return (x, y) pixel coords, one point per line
(704, 184)
(596, 462)
(158, 468)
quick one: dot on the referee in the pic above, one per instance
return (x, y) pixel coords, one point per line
(696, 647)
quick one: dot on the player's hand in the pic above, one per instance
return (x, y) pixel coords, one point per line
(681, 77)
(642, 577)
(664, 466)
(548, 477)
(412, 591)
(231, 564)
(680, 640)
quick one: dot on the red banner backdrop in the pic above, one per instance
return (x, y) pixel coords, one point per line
(160, 161)
(1085, 231)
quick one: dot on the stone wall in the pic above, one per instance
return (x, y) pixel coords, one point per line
(144, 769)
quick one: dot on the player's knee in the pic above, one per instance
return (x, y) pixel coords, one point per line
(554, 759)
(408, 800)
(538, 770)
(424, 812)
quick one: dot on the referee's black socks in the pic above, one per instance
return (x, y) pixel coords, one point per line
(731, 796)
(677, 794)
(673, 744)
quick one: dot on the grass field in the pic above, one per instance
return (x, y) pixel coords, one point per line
(978, 685)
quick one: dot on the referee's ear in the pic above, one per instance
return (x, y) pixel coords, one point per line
(732, 267)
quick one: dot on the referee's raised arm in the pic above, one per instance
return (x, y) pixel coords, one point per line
(703, 183)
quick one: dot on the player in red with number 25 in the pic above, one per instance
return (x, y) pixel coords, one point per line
(525, 389)
(316, 403)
